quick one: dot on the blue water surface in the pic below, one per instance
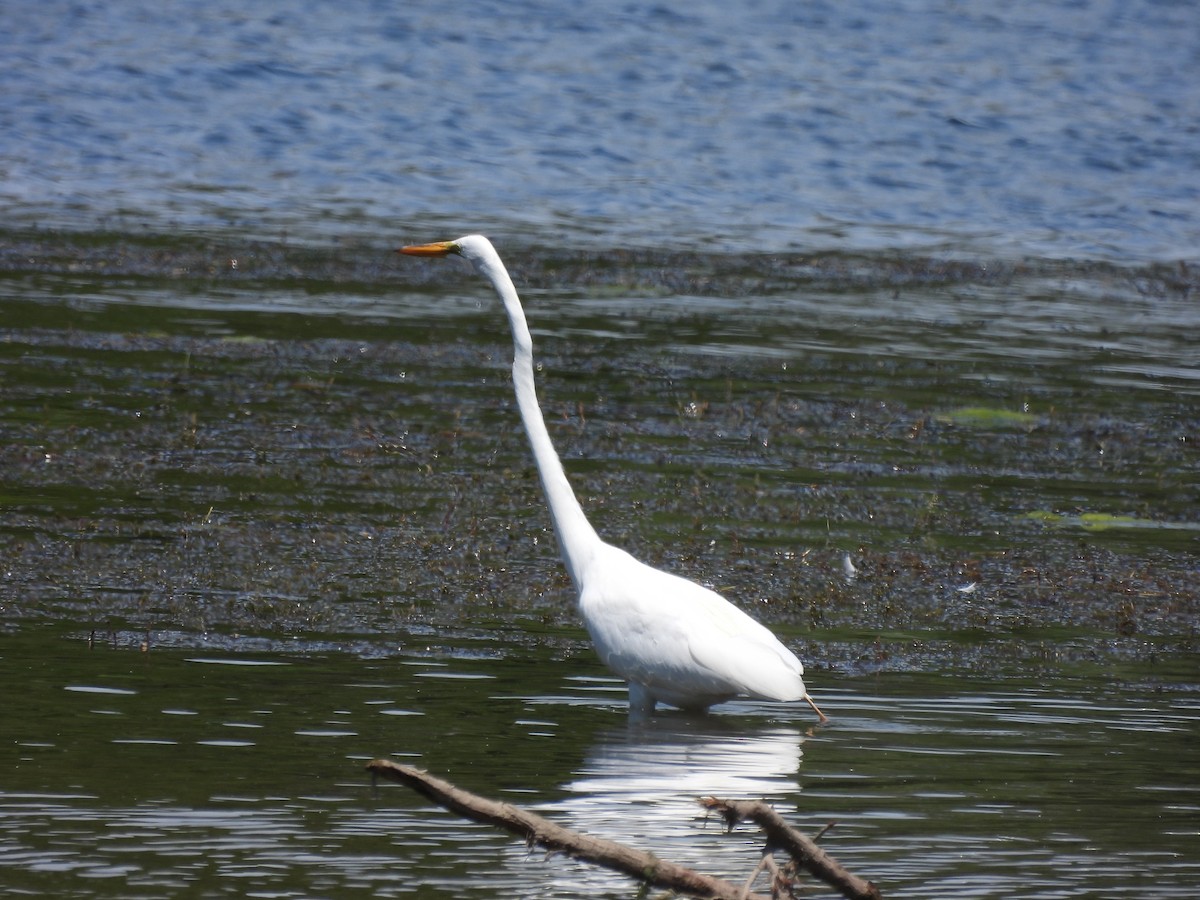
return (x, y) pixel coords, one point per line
(1059, 129)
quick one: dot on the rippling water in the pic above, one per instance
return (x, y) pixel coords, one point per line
(241, 775)
(1061, 129)
(291, 470)
(325, 532)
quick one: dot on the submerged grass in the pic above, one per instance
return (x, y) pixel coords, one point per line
(309, 459)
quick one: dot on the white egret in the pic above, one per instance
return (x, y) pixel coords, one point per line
(674, 641)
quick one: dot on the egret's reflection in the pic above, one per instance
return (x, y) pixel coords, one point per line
(639, 785)
(653, 759)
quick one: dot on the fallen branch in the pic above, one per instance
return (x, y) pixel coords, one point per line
(645, 867)
(796, 844)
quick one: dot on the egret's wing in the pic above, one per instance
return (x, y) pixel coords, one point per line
(746, 654)
(752, 667)
(660, 629)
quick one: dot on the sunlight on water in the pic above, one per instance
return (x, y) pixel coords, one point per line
(1070, 787)
(236, 661)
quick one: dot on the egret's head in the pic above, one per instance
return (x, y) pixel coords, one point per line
(472, 247)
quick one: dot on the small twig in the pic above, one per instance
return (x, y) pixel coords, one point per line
(796, 844)
(762, 864)
(824, 828)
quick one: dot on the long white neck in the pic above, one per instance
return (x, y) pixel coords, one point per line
(577, 540)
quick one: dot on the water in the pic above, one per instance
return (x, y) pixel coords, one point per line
(247, 548)
(240, 774)
(1065, 130)
(878, 317)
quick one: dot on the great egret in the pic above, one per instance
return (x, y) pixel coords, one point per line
(674, 641)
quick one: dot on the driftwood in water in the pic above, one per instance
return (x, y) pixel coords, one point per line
(799, 846)
(645, 867)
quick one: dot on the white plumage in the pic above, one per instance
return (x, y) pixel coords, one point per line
(674, 641)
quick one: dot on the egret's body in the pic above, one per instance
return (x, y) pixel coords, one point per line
(674, 641)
